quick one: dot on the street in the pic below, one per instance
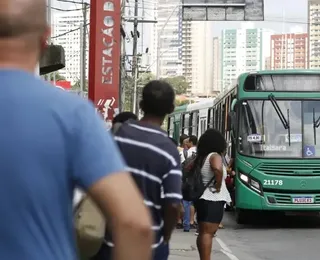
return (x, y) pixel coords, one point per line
(275, 238)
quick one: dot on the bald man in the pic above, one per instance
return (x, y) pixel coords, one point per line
(52, 141)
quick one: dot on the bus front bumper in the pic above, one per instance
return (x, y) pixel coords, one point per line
(247, 198)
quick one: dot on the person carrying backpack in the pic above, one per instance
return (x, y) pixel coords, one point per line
(204, 183)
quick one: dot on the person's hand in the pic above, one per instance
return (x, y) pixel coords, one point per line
(233, 173)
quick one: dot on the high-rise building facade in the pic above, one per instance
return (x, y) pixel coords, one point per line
(243, 50)
(169, 38)
(66, 32)
(216, 65)
(314, 34)
(289, 51)
(197, 57)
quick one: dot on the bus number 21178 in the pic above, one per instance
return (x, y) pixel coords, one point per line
(273, 182)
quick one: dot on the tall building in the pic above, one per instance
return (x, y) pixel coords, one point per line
(267, 65)
(216, 65)
(289, 51)
(169, 38)
(243, 50)
(314, 34)
(66, 32)
(197, 57)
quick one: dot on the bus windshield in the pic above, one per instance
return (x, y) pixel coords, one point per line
(262, 133)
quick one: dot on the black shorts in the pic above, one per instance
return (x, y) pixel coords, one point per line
(209, 211)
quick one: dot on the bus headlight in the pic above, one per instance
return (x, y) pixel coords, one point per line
(253, 184)
(244, 178)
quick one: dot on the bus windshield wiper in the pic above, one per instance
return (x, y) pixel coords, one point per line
(285, 122)
(316, 124)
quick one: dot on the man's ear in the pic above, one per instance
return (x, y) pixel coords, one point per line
(44, 39)
(172, 109)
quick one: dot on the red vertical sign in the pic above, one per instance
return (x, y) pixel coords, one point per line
(104, 56)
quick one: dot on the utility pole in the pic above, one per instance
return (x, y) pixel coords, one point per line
(135, 65)
(123, 60)
(83, 50)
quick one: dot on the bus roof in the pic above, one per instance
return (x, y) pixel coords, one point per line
(278, 72)
(180, 109)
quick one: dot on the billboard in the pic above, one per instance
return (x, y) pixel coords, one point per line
(104, 57)
(223, 10)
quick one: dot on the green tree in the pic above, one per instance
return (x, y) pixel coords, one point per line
(179, 84)
(56, 76)
(182, 102)
(77, 85)
(128, 88)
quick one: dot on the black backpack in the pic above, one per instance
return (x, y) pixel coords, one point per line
(192, 184)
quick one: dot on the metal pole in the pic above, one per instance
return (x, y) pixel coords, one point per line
(81, 58)
(83, 50)
(134, 56)
(122, 92)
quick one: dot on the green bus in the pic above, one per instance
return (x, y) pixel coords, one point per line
(271, 122)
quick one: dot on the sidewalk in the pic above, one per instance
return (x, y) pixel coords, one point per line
(183, 247)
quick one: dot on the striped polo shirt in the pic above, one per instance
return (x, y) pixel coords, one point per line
(154, 162)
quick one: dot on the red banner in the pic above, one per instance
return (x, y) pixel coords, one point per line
(104, 56)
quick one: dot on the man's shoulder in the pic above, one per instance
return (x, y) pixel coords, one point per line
(148, 136)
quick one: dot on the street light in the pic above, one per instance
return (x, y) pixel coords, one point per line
(159, 35)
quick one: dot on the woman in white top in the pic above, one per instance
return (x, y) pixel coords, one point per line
(210, 207)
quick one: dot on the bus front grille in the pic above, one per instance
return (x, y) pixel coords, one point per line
(296, 169)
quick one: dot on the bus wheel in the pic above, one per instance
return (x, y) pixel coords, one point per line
(242, 216)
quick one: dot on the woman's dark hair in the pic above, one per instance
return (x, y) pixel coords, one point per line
(212, 141)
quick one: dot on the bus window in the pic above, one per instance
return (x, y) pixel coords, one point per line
(171, 126)
(203, 125)
(185, 124)
(223, 119)
(210, 118)
(194, 123)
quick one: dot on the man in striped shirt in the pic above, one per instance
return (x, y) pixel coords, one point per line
(153, 160)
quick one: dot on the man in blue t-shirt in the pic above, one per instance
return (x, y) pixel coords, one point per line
(51, 142)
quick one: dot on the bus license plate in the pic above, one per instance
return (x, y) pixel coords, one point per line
(303, 200)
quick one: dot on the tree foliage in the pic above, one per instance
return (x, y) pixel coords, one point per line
(56, 76)
(77, 85)
(128, 89)
(179, 84)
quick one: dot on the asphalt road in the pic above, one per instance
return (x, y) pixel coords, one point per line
(268, 238)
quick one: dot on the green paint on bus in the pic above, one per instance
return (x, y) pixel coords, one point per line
(274, 137)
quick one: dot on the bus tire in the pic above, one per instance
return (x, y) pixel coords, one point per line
(242, 216)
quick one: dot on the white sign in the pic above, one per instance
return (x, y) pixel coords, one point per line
(254, 138)
(273, 148)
